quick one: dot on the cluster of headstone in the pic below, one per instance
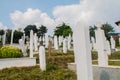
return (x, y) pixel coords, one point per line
(63, 42)
(82, 48)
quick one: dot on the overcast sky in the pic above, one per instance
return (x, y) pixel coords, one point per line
(20, 13)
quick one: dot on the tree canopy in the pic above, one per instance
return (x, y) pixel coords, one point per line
(17, 35)
(41, 31)
(92, 31)
(1, 32)
(63, 30)
(106, 27)
(30, 27)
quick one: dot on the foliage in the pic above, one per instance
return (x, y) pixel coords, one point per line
(17, 35)
(94, 55)
(41, 31)
(107, 28)
(30, 27)
(58, 58)
(115, 55)
(92, 31)
(8, 35)
(10, 52)
(1, 32)
(63, 30)
(34, 73)
(56, 69)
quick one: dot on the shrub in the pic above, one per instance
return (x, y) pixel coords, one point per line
(94, 55)
(115, 55)
(10, 52)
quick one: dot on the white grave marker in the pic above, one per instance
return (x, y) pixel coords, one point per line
(64, 45)
(101, 46)
(55, 43)
(42, 58)
(82, 52)
(31, 44)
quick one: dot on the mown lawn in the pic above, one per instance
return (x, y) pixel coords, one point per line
(56, 68)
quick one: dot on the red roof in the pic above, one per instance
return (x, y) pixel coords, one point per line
(117, 22)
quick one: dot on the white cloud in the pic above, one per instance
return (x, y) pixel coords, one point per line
(2, 26)
(31, 16)
(90, 10)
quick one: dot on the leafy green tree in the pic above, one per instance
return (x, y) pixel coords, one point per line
(8, 36)
(17, 35)
(92, 31)
(107, 28)
(63, 30)
(30, 27)
(1, 32)
(41, 31)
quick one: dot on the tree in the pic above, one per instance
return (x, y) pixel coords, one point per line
(30, 27)
(41, 31)
(107, 28)
(92, 31)
(17, 35)
(63, 30)
(8, 35)
(1, 32)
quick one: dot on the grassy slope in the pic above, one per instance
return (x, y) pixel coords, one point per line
(56, 68)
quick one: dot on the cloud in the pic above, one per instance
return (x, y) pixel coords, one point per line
(91, 11)
(2, 26)
(31, 16)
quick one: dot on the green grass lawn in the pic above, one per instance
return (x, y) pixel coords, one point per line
(34, 73)
(56, 68)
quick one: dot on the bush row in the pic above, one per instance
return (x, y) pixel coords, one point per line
(10, 52)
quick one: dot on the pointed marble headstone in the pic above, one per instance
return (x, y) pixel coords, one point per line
(101, 46)
(42, 58)
(35, 42)
(22, 47)
(55, 43)
(40, 39)
(46, 41)
(108, 49)
(112, 41)
(69, 42)
(60, 40)
(93, 43)
(24, 38)
(12, 36)
(31, 44)
(4, 38)
(64, 45)
(82, 52)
